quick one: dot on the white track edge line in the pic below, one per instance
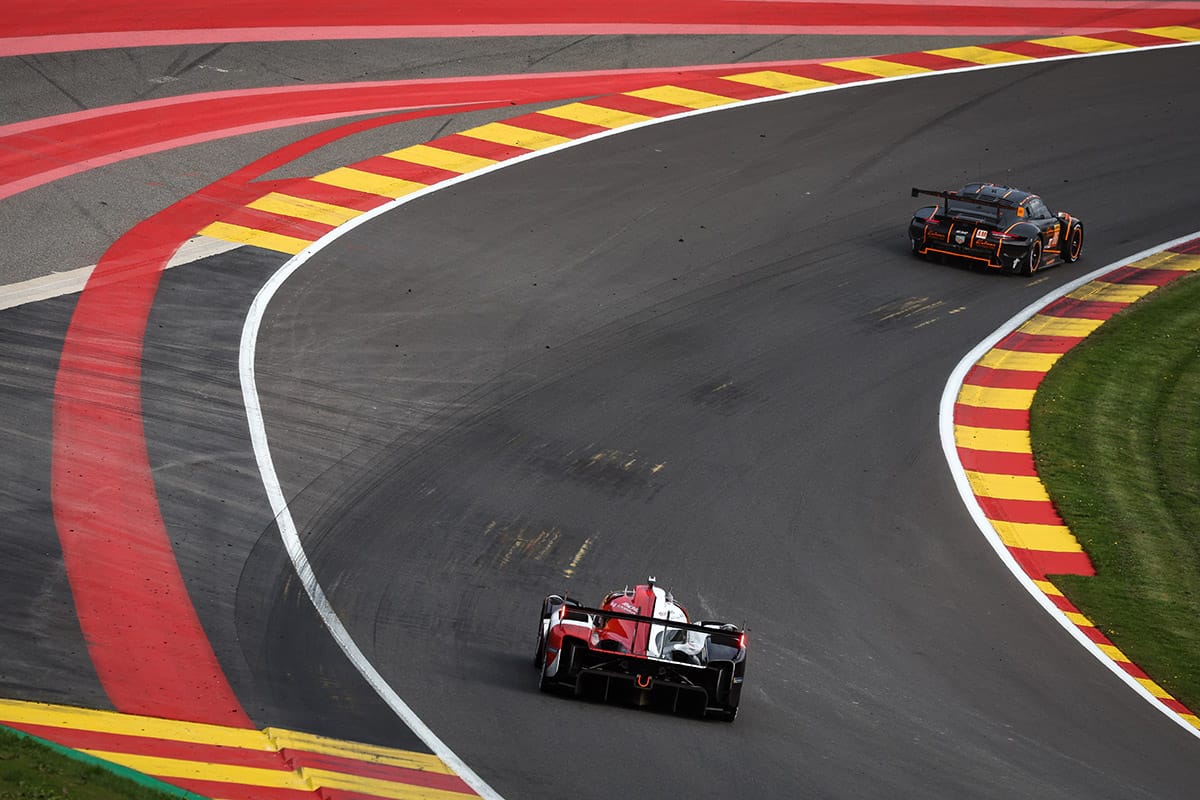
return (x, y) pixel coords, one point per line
(258, 435)
(950, 449)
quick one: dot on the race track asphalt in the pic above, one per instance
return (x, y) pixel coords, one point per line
(702, 351)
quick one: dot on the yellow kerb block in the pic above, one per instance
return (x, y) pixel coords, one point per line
(980, 55)
(595, 115)
(303, 208)
(448, 160)
(1079, 619)
(999, 358)
(1113, 652)
(1082, 44)
(369, 182)
(1180, 262)
(1044, 325)
(779, 81)
(87, 719)
(1178, 32)
(877, 67)
(284, 739)
(677, 96)
(1155, 689)
(377, 787)
(513, 136)
(991, 397)
(1104, 292)
(1048, 588)
(198, 770)
(264, 239)
(1007, 487)
(997, 440)
(1029, 536)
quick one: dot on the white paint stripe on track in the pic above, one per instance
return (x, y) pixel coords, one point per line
(950, 448)
(57, 284)
(279, 506)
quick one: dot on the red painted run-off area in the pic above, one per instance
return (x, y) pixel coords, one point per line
(33, 18)
(40, 151)
(31, 26)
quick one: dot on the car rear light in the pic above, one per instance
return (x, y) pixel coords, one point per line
(1001, 235)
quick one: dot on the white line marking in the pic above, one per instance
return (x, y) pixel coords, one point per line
(946, 426)
(258, 434)
(57, 284)
(291, 541)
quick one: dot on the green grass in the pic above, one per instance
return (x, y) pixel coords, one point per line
(33, 770)
(1116, 439)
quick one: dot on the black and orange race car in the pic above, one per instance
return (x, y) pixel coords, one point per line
(997, 226)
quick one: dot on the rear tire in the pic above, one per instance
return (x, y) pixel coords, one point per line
(916, 247)
(1034, 259)
(1074, 247)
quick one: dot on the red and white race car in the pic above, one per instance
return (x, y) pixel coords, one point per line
(639, 647)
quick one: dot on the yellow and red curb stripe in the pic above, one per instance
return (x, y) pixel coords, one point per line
(228, 763)
(991, 434)
(291, 219)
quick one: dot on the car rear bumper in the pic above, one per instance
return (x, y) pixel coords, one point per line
(998, 255)
(633, 680)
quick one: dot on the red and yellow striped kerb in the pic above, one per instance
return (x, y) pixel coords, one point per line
(290, 219)
(227, 763)
(991, 433)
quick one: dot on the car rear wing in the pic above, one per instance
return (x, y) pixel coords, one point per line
(977, 201)
(666, 623)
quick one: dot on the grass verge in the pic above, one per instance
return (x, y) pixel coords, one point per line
(33, 770)
(1116, 438)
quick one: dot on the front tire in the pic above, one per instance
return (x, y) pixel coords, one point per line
(1034, 258)
(1074, 247)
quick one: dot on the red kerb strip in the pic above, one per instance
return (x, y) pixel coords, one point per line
(150, 652)
(1004, 378)
(997, 463)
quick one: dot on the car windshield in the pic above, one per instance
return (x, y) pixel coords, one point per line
(962, 208)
